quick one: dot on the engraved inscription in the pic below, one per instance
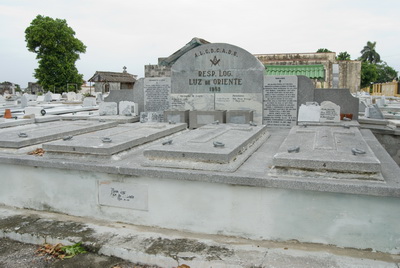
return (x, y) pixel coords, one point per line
(280, 101)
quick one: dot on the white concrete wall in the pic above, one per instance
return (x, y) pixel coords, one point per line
(252, 212)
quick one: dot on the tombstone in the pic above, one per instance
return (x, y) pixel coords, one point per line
(373, 111)
(176, 116)
(64, 96)
(309, 112)
(362, 106)
(157, 93)
(128, 108)
(280, 101)
(381, 102)
(217, 76)
(40, 98)
(48, 97)
(342, 97)
(201, 118)
(330, 112)
(56, 97)
(119, 95)
(89, 102)
(151, 117)
(71, 96)
(24, 101)
(2, 99)
(108, 108)
(79, 97)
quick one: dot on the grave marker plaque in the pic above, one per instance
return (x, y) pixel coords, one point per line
(116, 194)
(157, 94)
(280, 101)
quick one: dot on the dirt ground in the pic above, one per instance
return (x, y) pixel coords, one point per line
(14, 254)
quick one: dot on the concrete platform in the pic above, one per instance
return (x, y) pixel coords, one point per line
(166, 248)
(222, 147)
(333, 149)
(250, 202)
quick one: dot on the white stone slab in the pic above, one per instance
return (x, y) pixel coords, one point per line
(40, 98)
(309, 112)
(48, 97)
(37, 110)
(123, 195)
(330, 112)
(56, 97)
(39, 133)
(89, 102)
(108, 108)
(107, 142)
(128, 108)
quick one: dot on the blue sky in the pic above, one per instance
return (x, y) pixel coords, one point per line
(135, 33)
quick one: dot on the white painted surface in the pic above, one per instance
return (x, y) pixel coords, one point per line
(256, 213)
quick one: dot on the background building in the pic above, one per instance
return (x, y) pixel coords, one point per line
(106, 81)
(322, 68)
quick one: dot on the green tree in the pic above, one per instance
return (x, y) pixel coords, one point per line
(368, 53)
(323, 50)
(57, 49)
(369, 74)
(343, 56)
(385, 73)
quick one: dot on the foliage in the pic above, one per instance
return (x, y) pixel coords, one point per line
(385, 73)
(71, 251)
(56, 50)
(369, 74)
(323, 50)
(60, 251)
(369, 54)
(343, 56)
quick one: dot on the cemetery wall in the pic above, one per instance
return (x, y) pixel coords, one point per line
(259, 213)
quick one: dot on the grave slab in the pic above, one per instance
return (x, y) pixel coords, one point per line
(222, 147)
(328, 149)
(113, 140)
(5, 123)
(116, 118)
(44, 132)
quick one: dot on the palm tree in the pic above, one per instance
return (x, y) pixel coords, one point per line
(343, 56)
(369, 54)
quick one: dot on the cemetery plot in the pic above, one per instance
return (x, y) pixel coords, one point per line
(212, 147)
(328, 149)
(22, 136)
(113, 140)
